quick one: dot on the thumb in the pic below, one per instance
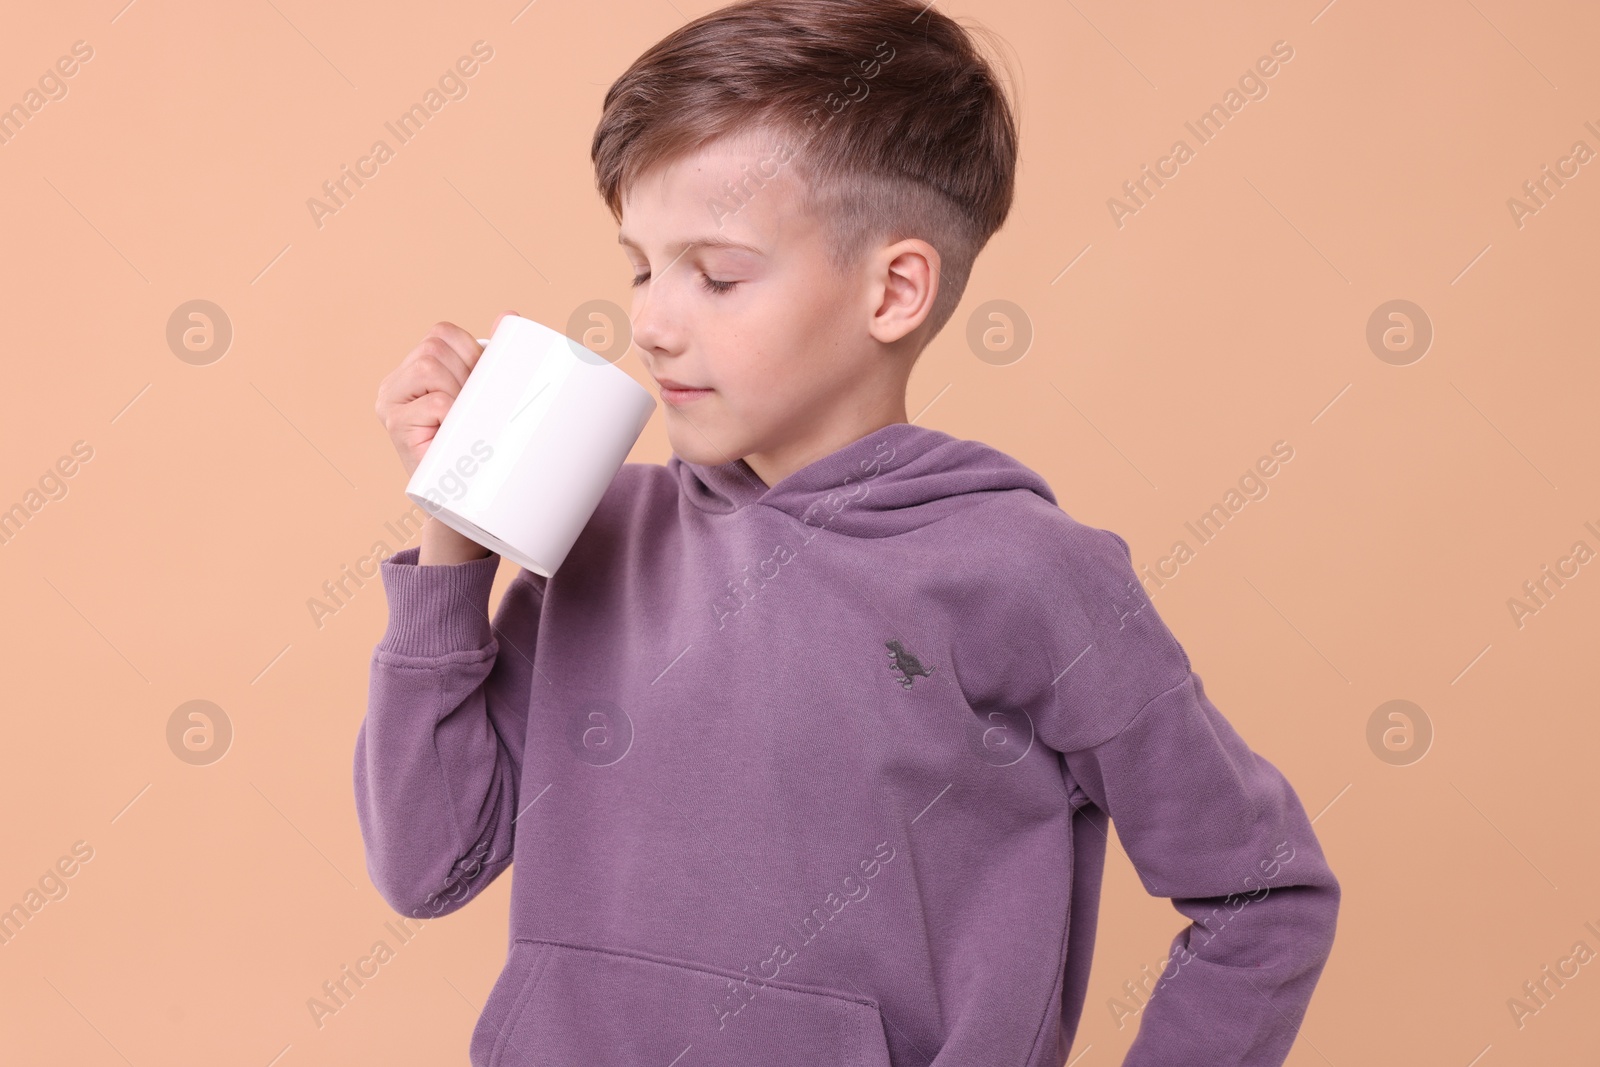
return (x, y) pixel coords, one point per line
(497, 319)
(473, 362)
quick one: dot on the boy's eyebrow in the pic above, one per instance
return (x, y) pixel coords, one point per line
(713, 241)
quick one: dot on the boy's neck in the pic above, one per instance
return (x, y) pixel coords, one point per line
(775, 464)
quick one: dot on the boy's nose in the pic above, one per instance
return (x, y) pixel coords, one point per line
(651, 331)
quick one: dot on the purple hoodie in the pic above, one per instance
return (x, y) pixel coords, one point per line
(820, 774)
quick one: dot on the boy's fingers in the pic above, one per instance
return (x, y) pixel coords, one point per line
(433, 364)
(460, 341)
(429, 409)
(442, 375)
(463, 343)
(497, 319)
(452, 348)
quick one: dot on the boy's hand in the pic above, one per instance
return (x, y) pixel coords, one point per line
(414, 397)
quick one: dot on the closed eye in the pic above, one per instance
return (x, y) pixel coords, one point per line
(708, 283)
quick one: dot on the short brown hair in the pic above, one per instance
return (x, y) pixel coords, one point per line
(903, 129)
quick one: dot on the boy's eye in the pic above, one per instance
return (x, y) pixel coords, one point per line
(708, 283)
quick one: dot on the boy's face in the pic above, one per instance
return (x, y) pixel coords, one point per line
(785, 350)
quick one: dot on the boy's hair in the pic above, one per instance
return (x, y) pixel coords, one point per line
(897, 124)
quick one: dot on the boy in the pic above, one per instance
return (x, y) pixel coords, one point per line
(806, 753)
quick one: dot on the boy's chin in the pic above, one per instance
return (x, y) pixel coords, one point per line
(700, 445)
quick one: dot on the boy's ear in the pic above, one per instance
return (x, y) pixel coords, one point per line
(907, 274)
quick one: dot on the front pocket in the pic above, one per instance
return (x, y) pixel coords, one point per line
(511, 993)
(571, 1004)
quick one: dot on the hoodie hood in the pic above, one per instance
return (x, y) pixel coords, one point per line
(897, 478)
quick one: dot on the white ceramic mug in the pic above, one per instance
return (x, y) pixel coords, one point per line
(528, 447)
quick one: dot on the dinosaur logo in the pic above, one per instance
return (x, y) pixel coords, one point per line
(907, 664)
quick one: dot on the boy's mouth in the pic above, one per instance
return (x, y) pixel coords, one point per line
(678, 393)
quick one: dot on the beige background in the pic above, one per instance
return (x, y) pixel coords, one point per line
(1229, 313)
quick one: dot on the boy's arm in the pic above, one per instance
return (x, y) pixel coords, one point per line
(1218, 829)
(439, 754)
(1206, 821)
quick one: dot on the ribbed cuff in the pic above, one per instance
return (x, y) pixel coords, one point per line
(437, 609)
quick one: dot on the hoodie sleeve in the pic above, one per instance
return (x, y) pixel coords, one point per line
(1206, 822)
(439, 754)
